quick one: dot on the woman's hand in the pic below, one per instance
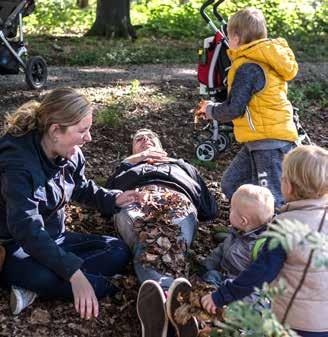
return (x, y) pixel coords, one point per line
(129, 197)
(85, 300)
(208, 304)
(150, 155)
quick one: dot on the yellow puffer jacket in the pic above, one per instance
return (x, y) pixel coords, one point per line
(269, 114)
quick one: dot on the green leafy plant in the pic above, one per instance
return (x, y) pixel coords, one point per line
(110, 116)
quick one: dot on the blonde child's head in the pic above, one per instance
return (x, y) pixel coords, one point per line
(305, 173)
(251, 207)
(247, 25)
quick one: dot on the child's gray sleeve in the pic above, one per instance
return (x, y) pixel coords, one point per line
(249, 80)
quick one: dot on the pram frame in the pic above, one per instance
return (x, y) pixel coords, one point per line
(219, 140)
(22, 50)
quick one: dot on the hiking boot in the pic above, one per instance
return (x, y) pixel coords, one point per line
(20, 299)
(151, 310)
(180, 287)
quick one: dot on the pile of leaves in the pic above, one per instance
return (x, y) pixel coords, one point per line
(161, 235)
(190, 305)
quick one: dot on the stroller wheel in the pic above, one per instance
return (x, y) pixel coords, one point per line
(36, 72)
(206, 151)
(222, 142)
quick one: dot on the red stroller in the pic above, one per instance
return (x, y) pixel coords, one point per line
(213, 67)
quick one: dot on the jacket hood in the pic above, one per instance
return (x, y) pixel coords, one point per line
(273, 52)
(308, 204)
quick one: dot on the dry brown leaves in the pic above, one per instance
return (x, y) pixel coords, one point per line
(198, 112)
(191, 307)
(165, 250)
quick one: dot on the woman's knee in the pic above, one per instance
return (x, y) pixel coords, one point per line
(121, 253)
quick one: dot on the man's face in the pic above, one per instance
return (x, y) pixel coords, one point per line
(144, 141)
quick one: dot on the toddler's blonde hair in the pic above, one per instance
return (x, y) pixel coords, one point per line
(257, 201)
(248, 24)
(306, 168)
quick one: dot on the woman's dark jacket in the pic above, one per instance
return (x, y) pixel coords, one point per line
(34, 191)
(178, 175)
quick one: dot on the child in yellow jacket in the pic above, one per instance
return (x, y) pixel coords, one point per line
(257, 104)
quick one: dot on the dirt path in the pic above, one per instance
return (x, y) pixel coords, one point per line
(13, 90)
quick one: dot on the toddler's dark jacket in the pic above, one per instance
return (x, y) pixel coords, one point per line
(234, 254)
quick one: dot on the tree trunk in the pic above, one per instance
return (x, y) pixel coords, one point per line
(82, 3)
(113, 19)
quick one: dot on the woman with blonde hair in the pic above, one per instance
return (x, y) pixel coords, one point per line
(41, 170)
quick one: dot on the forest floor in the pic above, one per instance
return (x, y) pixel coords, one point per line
(163, 100)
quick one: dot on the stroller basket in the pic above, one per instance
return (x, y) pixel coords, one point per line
(13, 53)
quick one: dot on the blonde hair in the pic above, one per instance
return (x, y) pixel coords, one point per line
(248, 24)
(257, 200)
(306, 168)
(64, 106)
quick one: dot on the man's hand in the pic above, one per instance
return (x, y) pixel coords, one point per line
(129, 197)
(85, 300)
(208, 304)
(150, 155)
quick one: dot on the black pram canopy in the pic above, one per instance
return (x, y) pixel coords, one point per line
(9, 11)
(8, 6)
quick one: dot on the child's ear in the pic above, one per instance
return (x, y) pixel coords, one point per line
(289, 187)
(244, 221)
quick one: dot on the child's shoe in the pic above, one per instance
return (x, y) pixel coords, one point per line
(151, 310)
(20, 299)
(180, 287)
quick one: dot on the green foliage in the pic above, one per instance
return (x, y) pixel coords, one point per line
(60, 17)
(171, 19)
(305, 95)
(117, 103)
(166, 18)
(291, 234)
(90, 51)
(110, 116)
(245, 319)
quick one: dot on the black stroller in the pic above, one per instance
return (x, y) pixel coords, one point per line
(13, 52)
(213, 66)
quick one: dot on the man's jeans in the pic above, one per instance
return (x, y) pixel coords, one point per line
(103, 256)
(258, 167)
(124, 221)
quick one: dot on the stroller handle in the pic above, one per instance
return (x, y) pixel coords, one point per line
(207, 18)
(216, 13)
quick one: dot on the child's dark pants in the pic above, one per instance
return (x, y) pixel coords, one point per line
(259, 167)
